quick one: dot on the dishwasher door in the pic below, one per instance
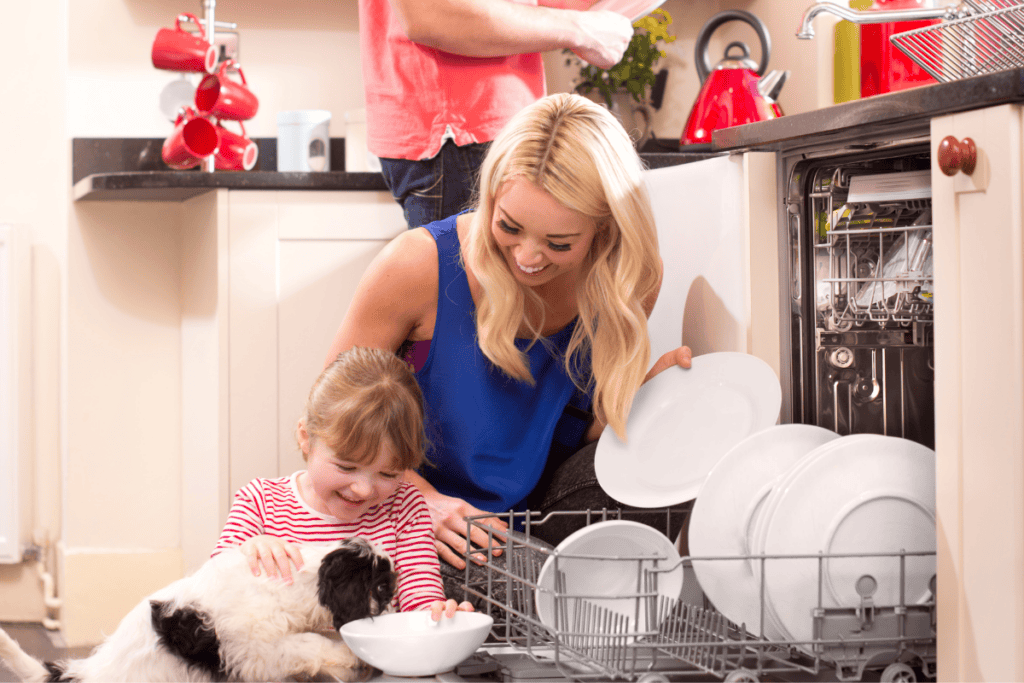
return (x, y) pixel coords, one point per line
(861, 293)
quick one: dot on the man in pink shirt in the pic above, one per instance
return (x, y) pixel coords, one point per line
(443, 76)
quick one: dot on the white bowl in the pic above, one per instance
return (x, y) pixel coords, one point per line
(412, 644)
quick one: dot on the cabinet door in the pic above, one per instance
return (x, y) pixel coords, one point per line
(295, 260)
(979, 398)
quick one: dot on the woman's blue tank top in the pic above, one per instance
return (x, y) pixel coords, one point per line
(490, 434)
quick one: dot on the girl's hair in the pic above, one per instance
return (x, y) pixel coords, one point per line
(578, 153)
(365, 400)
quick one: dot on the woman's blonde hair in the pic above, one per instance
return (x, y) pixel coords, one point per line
(578, 153)
(365, 400)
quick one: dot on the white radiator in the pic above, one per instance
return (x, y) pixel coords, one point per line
(10, 526)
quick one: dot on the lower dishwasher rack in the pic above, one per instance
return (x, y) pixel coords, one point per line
(684, 638)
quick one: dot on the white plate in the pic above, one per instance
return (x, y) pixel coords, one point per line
(682, 423)
(634, 9)
(875, 494)
(601, 563)
(727, 505)
(774, 629)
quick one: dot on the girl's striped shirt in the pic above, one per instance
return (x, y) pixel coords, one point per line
(400, 526)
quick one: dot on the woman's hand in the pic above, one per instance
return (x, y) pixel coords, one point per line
(440, 608)
(682, 357)
(274, 554)
(448, 515)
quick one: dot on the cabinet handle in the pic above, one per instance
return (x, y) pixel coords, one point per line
(957, 156)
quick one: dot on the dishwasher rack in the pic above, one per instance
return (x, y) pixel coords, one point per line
(678, 638)
(873, 259)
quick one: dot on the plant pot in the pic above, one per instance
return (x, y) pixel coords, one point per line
(634, 116)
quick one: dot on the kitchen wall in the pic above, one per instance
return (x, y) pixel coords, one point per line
(102, 412)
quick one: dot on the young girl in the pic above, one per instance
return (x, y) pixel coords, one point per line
(363, 428)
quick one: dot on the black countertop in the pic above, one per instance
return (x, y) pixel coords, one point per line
(891, 109)
(131, 169)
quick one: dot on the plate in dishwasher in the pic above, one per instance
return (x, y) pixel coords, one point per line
(682, 423)
(606, 566)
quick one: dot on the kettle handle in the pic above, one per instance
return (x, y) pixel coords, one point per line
(701, 60)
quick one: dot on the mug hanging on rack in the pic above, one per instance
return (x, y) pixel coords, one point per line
(235, 152)
(178, 50)
(217, 95)
(194, 138)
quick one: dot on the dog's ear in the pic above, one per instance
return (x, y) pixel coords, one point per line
(348, 581)
(384, 581)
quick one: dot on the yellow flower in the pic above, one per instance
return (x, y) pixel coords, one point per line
(657, 29)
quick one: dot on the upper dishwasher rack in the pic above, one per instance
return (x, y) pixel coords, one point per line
(872, 259)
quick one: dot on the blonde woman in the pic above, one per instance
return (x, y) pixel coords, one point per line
(526, 318)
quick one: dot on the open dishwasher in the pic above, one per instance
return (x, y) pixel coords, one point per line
(860, 241)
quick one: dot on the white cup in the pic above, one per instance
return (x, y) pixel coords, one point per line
(357, 157)
(304, 140)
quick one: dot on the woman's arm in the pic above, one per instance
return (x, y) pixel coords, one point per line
(396, 298)
(448, 520)
(496, 28)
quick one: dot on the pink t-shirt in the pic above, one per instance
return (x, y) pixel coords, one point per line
(415, 93)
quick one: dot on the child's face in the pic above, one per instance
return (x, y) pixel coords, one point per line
(345, 489)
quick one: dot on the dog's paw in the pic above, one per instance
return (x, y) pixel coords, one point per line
(349, 674)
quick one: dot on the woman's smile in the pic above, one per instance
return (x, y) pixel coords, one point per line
(540, 239)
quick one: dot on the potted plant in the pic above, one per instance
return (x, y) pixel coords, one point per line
(625, 87)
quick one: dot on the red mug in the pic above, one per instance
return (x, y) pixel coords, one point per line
(194, 138)
(235, 152)
(218, 96)
(178, 50)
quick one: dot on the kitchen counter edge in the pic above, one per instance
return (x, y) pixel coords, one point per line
(176, 186)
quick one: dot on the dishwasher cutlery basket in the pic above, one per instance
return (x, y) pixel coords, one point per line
(987, 37)
(680, 637)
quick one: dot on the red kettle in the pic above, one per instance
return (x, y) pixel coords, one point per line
(736, 90)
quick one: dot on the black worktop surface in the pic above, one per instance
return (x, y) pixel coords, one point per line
(892, 108)
(131, 168)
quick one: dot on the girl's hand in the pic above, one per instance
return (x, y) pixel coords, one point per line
(274, 554)
(682, 357)
(440, 608)
(448, 515)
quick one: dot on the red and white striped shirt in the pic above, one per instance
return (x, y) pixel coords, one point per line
(400, 526)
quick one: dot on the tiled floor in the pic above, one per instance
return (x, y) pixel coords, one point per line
(40, 643)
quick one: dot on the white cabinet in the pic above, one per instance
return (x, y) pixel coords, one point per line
(267, 277)
(295, 261)
(979, 387)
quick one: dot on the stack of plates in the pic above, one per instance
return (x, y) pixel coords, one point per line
(802, 490)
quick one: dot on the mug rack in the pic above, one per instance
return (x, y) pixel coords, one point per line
(221, 60)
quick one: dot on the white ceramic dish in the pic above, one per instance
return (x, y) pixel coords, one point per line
(774, 628)
(682, 423)
(412, 644)
(875, 494)
(634, 9)
(601, 563)
(727, 505)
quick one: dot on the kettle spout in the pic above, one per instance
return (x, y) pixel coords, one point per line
(771, 84)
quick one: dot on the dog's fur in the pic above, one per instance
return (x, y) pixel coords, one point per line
(223, 623)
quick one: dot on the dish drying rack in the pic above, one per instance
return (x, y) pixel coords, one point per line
(670, 638)
(872, 259)
(987, 36)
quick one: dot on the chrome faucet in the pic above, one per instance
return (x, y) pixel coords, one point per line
(806, 31)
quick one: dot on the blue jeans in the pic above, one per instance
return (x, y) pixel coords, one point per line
(431, 189)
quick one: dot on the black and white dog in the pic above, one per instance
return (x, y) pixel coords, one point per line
(223, 623)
